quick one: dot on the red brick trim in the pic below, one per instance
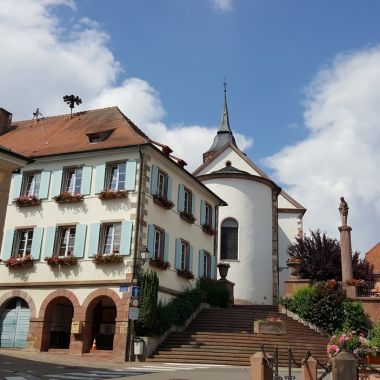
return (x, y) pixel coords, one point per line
(60, 293)
(20, 294)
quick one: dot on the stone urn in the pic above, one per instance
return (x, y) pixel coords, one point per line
(223, 269)
(294, 266)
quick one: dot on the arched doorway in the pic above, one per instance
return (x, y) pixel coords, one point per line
(101, 315)
(14, 324)
(57, 325)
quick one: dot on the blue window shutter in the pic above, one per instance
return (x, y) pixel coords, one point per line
(8, 244)
(126, 237)
(130, 175)
(153, 179)
(200, 264)
(213, 267)
(80, 240)
(150, 241)
(193, 204)
(36, 243)
(49, 241)
(44, 186)
(181, 198)
(213, 216)
(191, 250)
(166, 247)
(178, 254)
(203, 212)
(56, 182)
(16, 185)
(93, 239)
(170, 188)
(99, 179)
(85, 187)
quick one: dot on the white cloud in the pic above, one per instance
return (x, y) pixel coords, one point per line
(341, 154)
(45, 61)
(223, 5)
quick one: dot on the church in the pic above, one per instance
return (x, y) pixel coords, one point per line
(258, 224)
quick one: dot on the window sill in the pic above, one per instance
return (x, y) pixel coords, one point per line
(68, 198)
(61, 261)
(112, 258)
(163, 202)
(159, 264)
(208, 229)
(110, 194)
(27, 201)
(16, 263)
(185, 274)
(189, 218)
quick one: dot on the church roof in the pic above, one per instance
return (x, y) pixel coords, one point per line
(228, 169)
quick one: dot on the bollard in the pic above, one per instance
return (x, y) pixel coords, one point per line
(344, 367)
(309, 369)
(259, 367)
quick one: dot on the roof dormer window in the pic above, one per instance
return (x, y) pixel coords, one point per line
(96, 137)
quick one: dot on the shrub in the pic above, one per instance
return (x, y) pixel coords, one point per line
(302, 301)
(354, 316)
(215, 293)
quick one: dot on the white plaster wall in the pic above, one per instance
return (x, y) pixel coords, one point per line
(250, 203)
(284, 203)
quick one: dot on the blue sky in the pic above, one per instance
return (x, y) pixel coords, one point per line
(303, 84)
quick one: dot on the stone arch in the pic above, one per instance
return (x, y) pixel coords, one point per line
(20, 294)
(60, 293)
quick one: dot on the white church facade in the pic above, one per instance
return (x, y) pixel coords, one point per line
(258, 224)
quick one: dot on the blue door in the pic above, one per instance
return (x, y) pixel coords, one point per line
(14, 324)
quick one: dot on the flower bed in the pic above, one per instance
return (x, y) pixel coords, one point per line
(159, 263)
(163, 202)
(61, 261)
(27, 200)
(66, 197)
(185, 274)
(114, 257)
(113, 194)
(19, 262)
(208, 229)
(269, 326)
(187, 217)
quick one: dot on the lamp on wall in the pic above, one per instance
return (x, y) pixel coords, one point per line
(141, 259)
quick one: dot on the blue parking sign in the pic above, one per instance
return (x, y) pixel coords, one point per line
(135, 291)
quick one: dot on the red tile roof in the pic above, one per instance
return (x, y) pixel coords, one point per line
(373, 257)
(62, 134)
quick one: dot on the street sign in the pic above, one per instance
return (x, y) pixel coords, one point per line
(135, 291)
(123, 288)
(135, 302)
(134, 313)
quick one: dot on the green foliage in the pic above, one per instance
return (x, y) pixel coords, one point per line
(303, 300)
(215, 293)
(354, 316)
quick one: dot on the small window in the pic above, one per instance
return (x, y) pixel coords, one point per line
(188, 199)
(208, 214)
(31, 184)
(23, 243)
(206, 265)
(72, 180)
(97, 137)
(110, 239)
(159, 243)
(115, 179)
(229, 240)
(185, 255)
(65, 241)
(162, 184)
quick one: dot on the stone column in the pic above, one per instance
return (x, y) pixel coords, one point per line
(259, 367)
(345, 252)
(344, 367)
(309, 369)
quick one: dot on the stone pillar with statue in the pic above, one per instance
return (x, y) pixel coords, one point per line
(345, 249)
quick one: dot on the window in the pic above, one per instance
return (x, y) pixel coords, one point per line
(188, 197)
(23, 243)
(162, 184)
(208, 214)
(229, 240)
(206, 265)
(159, 244)
(185, 255)
(65, 241)
(72, 180)
(97, 137)
(116, 176)
(110, 241)
(31, 185)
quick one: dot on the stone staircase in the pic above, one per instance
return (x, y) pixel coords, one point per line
(225, 336)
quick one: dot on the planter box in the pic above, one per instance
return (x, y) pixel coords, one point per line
(373, 359)
(269, 328)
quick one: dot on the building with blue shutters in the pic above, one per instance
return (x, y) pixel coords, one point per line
(97, 195)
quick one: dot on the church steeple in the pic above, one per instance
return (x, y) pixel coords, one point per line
(224, 135)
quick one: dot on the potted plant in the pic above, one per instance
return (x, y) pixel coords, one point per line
(113, 258)
(294, 265)
(61, 261)
(185, 274)
(112, 194)
(269, 326)
(159, 263)
(223, 269)
(66, 197)
(19, 262)
(27, 200)
(163, 201)
(188, 217)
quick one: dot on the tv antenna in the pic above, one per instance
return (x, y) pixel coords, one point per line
(36, 115)
(72, 100)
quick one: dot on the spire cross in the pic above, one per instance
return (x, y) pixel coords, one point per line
(225, 85)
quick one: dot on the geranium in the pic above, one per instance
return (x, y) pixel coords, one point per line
(159, 263)
(163, 201)
(27, 200)
(16, 262)
(113, 257)
(66, 197)
(113, 194)
(61, 261)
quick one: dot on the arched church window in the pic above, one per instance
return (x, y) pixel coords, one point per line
(229, 239)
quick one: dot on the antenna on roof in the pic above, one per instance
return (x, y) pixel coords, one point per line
(71, 100)
(36, 115)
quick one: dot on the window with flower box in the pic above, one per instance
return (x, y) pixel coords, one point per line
(159, 244)
(184, 258)
(186, 203)
(72, 180)
(31, 184)
(65, 241)
(158, 247)
(30, 187)
(23, 242)
(161, 187)
(115, 176)
(110, 238)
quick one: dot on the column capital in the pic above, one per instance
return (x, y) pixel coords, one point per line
(344, 228)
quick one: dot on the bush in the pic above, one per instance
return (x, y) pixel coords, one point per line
(354, 317)
(302, 301)
(215, 293)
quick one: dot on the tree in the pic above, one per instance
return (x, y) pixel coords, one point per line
(321, 260)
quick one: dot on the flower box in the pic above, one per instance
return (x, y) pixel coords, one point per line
(189, 218)
(66, 197)
(373, 359)
(61, 261)
(113, 194)
(112, 258)
(163, 202)
(355, 282)
(19, 262)
(27, 200)
(269, 327)
(208, 229)
(185, 274)
(159, 263)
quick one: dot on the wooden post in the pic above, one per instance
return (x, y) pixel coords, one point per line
(344, 367)
(309, 369)
(259, 367)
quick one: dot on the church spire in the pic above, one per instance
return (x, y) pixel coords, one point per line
(224, 135)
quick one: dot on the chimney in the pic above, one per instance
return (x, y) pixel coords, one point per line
(5, 121)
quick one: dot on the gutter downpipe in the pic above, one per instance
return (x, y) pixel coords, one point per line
(131, 329)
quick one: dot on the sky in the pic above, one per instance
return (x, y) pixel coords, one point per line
(303, 84)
